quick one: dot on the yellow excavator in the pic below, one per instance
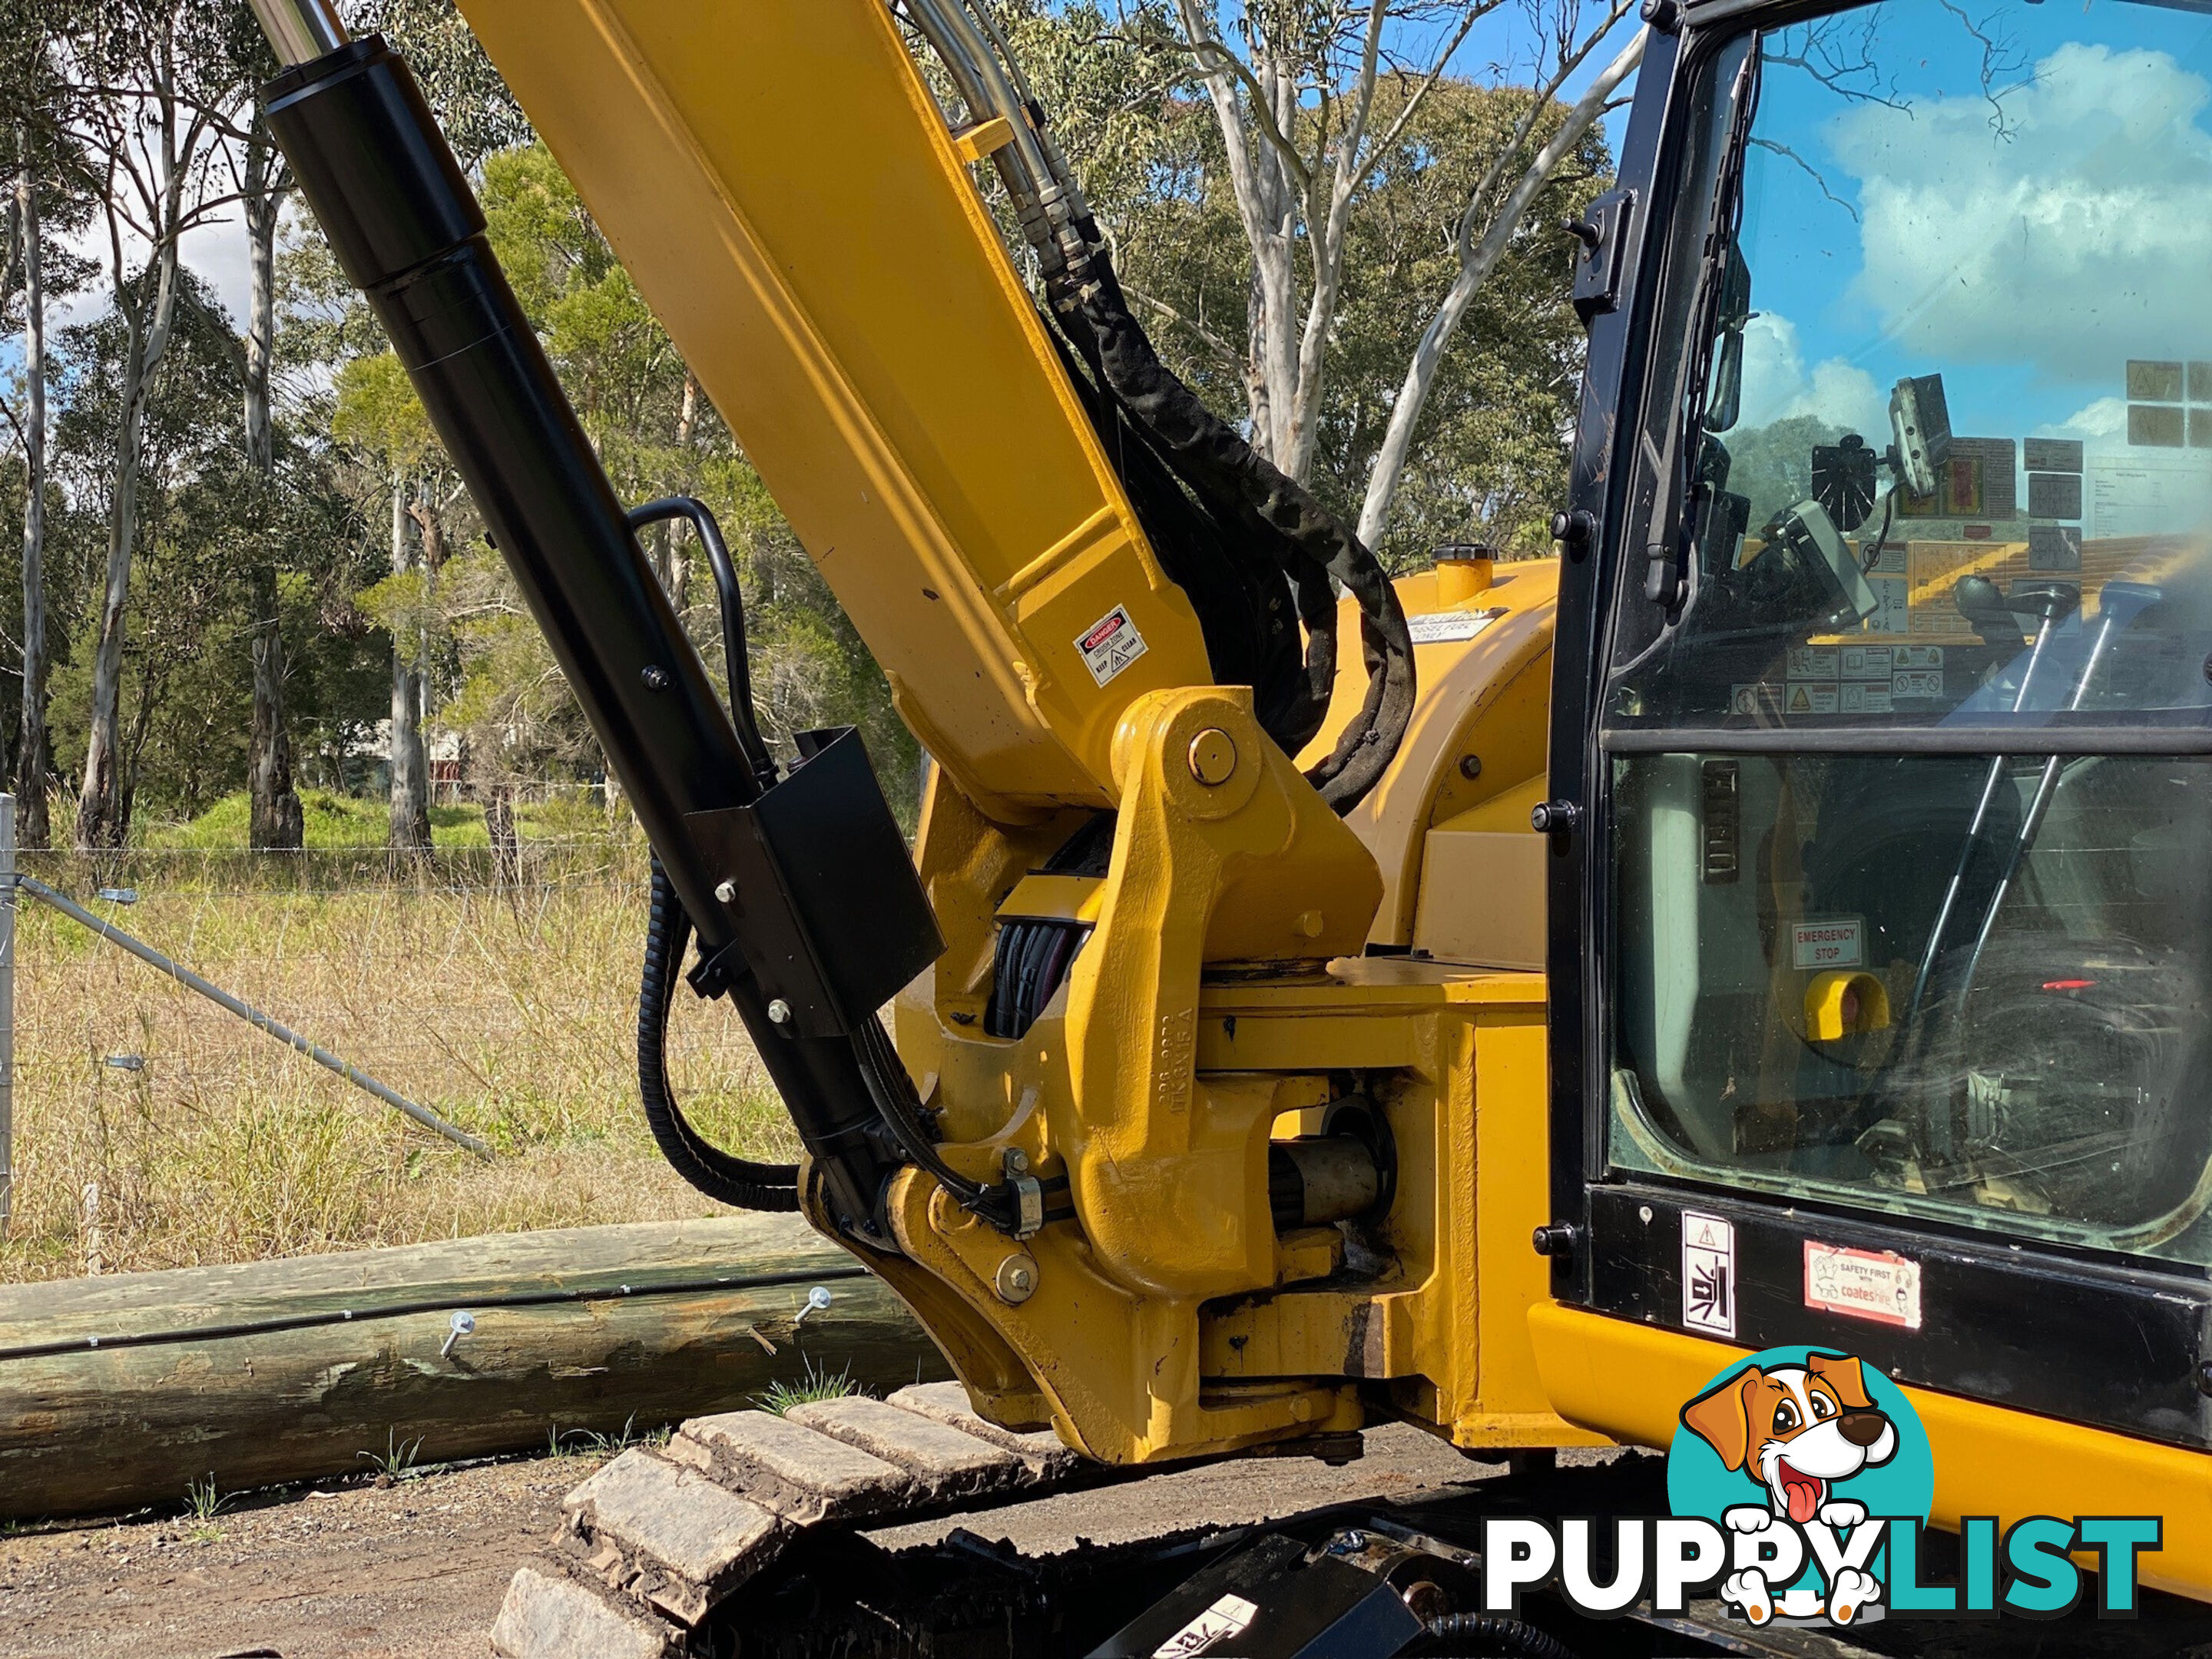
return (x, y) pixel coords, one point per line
(1496, 1000)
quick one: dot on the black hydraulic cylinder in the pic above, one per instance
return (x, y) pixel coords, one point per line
(408, 231)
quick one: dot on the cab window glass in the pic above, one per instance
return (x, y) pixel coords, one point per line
(1943, 451)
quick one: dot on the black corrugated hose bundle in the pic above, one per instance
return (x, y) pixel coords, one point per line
(1235, 483)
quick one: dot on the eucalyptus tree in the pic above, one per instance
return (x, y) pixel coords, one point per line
(155, 91)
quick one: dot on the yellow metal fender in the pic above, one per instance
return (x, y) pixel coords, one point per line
(1630, 1381)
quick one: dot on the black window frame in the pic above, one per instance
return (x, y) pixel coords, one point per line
(2091, 1336)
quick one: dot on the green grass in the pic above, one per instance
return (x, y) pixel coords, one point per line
(587, 1443)
(814, 1384)
(511, 1012)
(354, 822)
(397, 1460)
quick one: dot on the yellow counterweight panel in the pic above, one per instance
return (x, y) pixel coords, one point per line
(780, 185)
(1483, 659)
(1630, 1381)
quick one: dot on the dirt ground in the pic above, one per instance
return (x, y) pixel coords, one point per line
(417, 1569)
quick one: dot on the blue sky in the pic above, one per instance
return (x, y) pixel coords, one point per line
(2026, 265)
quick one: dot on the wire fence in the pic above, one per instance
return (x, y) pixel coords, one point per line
(154, 1128)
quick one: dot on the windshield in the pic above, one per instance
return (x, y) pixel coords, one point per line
(1937, 482)
(1943, 454)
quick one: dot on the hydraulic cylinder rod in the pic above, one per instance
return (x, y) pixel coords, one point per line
(406, 228)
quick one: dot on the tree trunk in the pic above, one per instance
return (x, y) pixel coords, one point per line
(1477, 260)
(505, 844)
(677, 577)
(101, 822)
(411, 802)
(32, 756)
(277, 823)
(103, 806)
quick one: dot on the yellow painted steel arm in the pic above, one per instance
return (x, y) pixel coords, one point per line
(779, 184)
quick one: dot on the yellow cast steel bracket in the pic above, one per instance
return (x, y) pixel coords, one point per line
(1219, 846)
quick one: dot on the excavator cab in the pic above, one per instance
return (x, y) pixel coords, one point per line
(1879, 952)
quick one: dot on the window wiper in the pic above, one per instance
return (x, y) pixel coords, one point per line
(1671, 518)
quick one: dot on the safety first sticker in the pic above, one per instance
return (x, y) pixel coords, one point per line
(1110, 645)
(1877, 1284)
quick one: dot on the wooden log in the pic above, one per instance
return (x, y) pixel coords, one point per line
(118, 1391)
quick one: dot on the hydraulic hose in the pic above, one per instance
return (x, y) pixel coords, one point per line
(1215, 460)
(726, 1180)
(1494, 1636)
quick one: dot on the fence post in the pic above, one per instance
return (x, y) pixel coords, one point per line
(7, 1011)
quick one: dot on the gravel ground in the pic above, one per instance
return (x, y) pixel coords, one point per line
(414, 1569)
(417, 1568)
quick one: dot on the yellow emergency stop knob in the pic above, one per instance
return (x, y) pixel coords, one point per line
(1845, 1002)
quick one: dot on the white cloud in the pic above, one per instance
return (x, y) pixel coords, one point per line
(1777, 385)
(2079, 240)
(2104, 422)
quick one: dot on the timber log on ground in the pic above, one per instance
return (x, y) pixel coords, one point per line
(118, 1391)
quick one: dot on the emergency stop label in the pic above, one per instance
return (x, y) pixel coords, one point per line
(1828, 942)
(1110, 644)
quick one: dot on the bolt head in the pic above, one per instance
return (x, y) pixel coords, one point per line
(1016, 1281)
(1213, 756)
(655, 676)
(1470, 767)
(1309, 924)
(726, 891)
(779, 1012)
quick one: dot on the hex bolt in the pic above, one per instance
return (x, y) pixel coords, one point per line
(726, 891)
(1016, 1281)
(464, 1323)
(655, 676)
(1016, 1161)
(779, 1012)
(1213, 756)
(1470, 767)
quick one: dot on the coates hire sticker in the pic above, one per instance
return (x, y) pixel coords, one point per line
(1801, 1481)
(1877, 1284)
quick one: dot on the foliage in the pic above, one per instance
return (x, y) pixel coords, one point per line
(812, 1383)
(1128, 106)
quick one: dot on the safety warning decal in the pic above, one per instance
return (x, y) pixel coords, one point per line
(1828, 942)
(1444, 627)
(1708, 1273)
(1228, 1617)
(1110, 645)
(1877, 1284)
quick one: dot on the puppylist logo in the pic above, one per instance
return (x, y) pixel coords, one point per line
(1801, 1482)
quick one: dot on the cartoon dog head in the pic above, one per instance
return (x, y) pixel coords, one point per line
(1799, 1428)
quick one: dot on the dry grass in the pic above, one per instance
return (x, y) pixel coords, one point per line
(510, 1010)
